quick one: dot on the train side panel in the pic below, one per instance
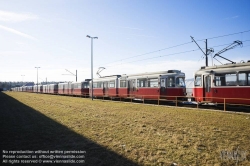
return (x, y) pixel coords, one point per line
(236, 94)
(147, 93)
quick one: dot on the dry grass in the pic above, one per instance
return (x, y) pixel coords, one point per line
(147, 135)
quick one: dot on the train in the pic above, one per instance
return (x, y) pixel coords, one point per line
(168, 85)
(153, 85)
(228, 83)
(66, 88)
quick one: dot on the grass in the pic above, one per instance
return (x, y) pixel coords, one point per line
(141, 134)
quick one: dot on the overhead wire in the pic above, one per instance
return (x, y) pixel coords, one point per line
(158, 57)
(177, 46)
(150, 52)
(225, 35)
(167, 55)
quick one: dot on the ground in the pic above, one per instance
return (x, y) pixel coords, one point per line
(115, 133)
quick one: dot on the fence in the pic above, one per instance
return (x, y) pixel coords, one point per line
(180, 99)
(174, 99)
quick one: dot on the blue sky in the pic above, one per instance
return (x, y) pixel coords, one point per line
(133, 36)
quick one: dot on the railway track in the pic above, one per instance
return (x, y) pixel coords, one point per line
(229, 108)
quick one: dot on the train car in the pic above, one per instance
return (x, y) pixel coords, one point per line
(79, 88)
(105, 86)
(29, 88)
(16, 89)
(38, 89)
(52, 88)
(24, 88)
(154, 85)
(45, 88)
(35, 88)
(229, 83)
(74, 89)
(63, 88)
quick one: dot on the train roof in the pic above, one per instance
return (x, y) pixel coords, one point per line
(225, 68)
(106, 78)
(63, 83)
(111, 76)
(153, 74)
(53, 84)
(78, 82)
(147, 74)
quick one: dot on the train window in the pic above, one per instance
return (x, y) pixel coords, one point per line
(219, 80)
(112, 84)
(85, 85)
(99, 84)
(197, 81)
(171, 82)
(123, 83)
(231, 79)
(180, 82)
(95, 85)
(163, 82)
(141, 82)
(153, 82)
(242, 79)
(77, 85)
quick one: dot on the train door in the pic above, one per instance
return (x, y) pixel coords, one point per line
(131, 88)
(207, 92)
(105, 88)
(163, 89)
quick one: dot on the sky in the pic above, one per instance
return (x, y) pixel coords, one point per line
(134, 36)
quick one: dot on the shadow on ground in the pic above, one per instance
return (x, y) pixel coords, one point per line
(23, 128)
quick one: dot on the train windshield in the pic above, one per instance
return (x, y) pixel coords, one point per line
(85, 85)
(197, 81)
(180, 82)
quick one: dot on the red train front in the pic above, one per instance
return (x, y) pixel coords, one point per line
(228, 83)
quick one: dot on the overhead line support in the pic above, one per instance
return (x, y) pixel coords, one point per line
(202, 50)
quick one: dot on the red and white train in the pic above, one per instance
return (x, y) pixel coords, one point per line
(74, 89)
(229, 83)
(169, 85)
(69, 88)
(155, 85)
